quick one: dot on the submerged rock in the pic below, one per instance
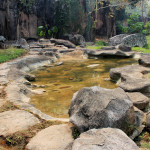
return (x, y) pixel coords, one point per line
(57, 137)
(104, 139)
(16, 120)
(96, 107)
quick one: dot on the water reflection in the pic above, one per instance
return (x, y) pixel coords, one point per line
(62, 81)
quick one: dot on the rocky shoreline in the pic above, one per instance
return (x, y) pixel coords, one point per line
(15, 87)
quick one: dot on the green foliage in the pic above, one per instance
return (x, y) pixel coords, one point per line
(147, 27)
(75, 133)
(134, 26)
(69, 16)
(144, 32)
(97, 45)
(27, 4)
(46, 32)
(101, 43)
(11, 53)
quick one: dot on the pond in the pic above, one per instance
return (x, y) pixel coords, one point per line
(61, 82)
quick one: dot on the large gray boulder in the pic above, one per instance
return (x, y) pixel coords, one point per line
(63, 42)
(57, 137)
(77, 39)
(104, 139)
(128, 40)
(117, 40)
(96, 107)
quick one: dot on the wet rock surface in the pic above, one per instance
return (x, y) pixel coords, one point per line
(17, 120)
(58, 137)
(104, 139)
(96, 107)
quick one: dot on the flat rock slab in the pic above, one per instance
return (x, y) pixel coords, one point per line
(104, 139)
(17, 120)
(110, 53)
(135, 71)
(139, 100)
(145, 60)
(57, 137)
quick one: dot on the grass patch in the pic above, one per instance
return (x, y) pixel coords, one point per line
(97, 45)
(11, 53)
(145, 49)
(145, 145)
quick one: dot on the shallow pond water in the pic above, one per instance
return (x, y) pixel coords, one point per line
(63, 81)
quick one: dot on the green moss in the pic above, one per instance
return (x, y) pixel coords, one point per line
(145, 145)
(11, 53)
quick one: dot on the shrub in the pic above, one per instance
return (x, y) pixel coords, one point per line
(147, 27)
(46, 32)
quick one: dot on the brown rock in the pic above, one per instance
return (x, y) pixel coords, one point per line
(57, 137)
(17, 120)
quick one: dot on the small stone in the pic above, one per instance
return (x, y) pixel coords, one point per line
(16, 120)
(38, 91)
(30, 77)
(92, 66)
(57, 137)
(59, 63)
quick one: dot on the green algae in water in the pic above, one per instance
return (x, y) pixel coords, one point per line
(63, 81)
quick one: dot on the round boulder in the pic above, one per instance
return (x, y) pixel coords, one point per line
(96, 107)
(104, 139)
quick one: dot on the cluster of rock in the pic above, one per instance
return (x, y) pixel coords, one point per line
(131, 40)
(103, 116)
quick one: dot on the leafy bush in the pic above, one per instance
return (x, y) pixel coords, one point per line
(134, 26)
(147, 27)
(46, 32)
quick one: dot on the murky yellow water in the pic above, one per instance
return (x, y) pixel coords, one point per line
(62, 81)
